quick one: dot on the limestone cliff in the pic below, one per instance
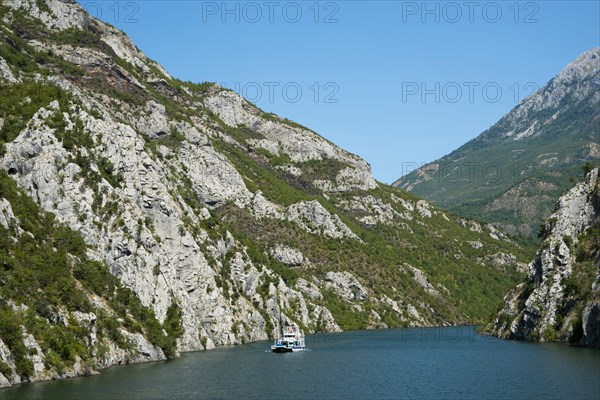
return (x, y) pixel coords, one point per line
(560, 300)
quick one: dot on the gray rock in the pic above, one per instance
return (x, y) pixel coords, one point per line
(503, 260)
(13, 378)
(314, 218)
(421, 279)
(550, 98)
(309, 289)
(290, 169)
(376, 210)
(533, 309)
(287, 255)
(424, 209)
(6, 213)
(591, 325)
(476, 244)
(62, 15)
(153, 122)
(6, 73)
(325, 320)
(298, 143)
(346, 286)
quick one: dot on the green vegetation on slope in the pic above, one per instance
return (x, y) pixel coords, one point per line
(20, 102)
(46, 277)
(515, 183)
(440, 249)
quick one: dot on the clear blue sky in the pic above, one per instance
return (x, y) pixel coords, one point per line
(392, 81)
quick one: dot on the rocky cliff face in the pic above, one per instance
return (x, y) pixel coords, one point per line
(513, 173)
(560, 300)
(219, 222)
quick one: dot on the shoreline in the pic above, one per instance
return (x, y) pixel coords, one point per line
(439, 329)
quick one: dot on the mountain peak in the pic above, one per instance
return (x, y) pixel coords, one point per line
(586, 64)
(513, 172)
(578, 81)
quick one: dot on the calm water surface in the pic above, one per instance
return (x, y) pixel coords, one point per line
(430, 363)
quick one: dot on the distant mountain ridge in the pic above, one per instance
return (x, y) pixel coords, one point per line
(513, 173)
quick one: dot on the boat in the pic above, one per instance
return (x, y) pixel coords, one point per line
(291, 340)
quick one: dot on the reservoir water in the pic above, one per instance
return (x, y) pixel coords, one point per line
(425, 363)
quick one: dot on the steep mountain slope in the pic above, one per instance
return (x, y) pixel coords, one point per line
(223, 221)
(61, 313)
(560, 300)
(513, 173)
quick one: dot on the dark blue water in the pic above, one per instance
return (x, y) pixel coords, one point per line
(431, 363)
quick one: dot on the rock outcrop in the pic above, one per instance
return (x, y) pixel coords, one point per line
(313, 217)
(560, 298)
(346, 285)
(288, 255)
